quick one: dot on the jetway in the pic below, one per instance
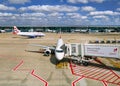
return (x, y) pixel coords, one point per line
(102, 50)
(73, 49)
(85, 52)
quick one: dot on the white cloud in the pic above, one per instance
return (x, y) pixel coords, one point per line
(23, 15)
(78, 1)
(85, 1)
(97, 1)
(32, 14)
(88, 8)
(76, 15)
(117, 21)
(84, 17)
(5, 14)
(104, 13)
(18, 1)
(37, 19)
(50, 8)
(118, 9)
(3, 7)
(100, 17)
(55, 14)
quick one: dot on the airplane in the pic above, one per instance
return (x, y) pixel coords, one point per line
(83, 31)
(2, 31)
(58, 50)
(27, 34)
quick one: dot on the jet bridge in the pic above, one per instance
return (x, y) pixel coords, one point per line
(102, 50)
(86, 52)
(73, 49)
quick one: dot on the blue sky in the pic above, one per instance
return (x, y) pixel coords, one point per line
(59, 12)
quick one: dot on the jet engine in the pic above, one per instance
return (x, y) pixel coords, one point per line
(47, 52)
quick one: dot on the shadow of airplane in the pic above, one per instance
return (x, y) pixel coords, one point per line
(101, 65)
(33, 51)
(54, 61)
(23, 37)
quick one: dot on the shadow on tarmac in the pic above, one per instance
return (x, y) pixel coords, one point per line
(104, 66)
(101, 66)
(33, 51)
(54, 61)
(23, 37)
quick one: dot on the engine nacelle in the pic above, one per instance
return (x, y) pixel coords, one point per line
(47, 52)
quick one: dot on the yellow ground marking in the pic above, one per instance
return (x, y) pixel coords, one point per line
(62, 65)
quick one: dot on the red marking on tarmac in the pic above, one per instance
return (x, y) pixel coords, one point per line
(105, 75)
(17, 66)
(32, 73)
(74, 82)
(104, 83)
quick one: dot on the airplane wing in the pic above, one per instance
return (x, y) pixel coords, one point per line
(43, 46)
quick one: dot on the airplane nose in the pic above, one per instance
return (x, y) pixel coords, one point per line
(59, 56)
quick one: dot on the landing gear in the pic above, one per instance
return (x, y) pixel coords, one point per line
(85, 60)
(85, 63)
(82, 60)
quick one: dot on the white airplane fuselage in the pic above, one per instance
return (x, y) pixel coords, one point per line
(59, 53)
(28, 34)
(34, 34)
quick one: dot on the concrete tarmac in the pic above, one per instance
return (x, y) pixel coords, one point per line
(23, 65)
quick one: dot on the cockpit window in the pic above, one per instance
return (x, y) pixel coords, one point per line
(59, 51)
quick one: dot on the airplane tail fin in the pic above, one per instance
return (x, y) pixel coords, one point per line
(60, 34)
(15, 30)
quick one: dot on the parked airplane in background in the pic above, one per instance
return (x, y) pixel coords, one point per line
(58, 50)
(2, 31)
(81, 30)
(28, 34)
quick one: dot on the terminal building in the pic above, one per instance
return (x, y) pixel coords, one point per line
(69, 29)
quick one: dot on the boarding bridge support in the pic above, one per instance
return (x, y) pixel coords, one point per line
(76, 52)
